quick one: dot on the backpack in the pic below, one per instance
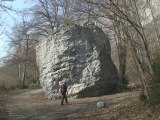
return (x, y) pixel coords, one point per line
(63, 88)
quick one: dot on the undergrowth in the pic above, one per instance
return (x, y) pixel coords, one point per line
(155, 84)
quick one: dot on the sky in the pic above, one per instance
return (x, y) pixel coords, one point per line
(8, 21)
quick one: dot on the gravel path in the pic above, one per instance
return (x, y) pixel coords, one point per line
(34, 105)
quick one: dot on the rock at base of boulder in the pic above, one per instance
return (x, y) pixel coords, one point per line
(101, 104)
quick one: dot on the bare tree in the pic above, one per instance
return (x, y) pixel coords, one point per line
(46, 17)
(127, 19)
(22, 42)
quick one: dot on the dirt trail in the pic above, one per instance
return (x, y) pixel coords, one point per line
(34, 105)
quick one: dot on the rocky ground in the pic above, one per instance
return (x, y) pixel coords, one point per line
(34, 105)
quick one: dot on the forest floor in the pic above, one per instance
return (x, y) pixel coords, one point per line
(34, 105)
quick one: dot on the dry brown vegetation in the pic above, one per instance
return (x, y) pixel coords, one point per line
(132, 109)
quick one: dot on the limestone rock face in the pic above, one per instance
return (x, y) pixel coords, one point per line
(80, 55)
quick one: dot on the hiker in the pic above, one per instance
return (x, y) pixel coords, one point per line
(63, 90)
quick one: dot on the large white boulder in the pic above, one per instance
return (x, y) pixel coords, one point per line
(80, 55)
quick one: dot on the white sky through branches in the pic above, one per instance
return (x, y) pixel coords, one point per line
(8, 20)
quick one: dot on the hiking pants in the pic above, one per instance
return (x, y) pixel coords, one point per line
(64, 97)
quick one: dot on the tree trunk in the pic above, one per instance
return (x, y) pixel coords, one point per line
(144, 39)
(19, 72)
(24, 76)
